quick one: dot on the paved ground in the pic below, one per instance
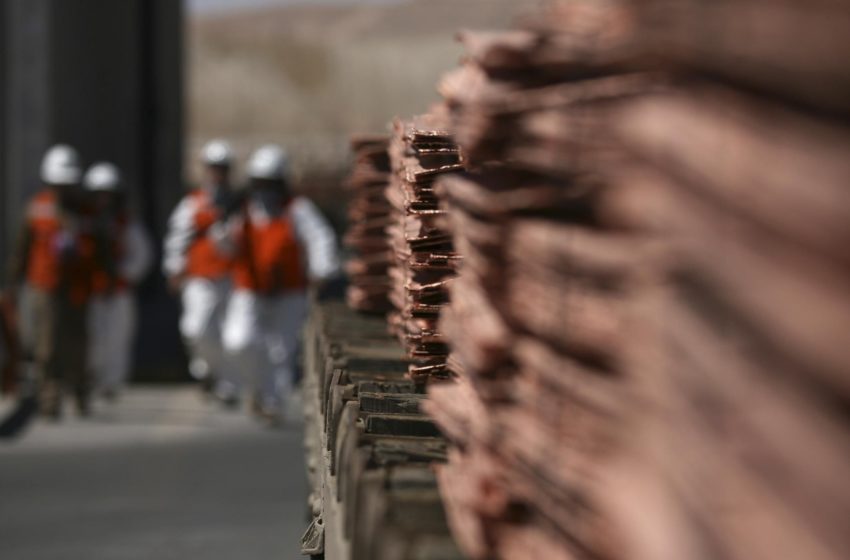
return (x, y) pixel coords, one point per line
(159, 475)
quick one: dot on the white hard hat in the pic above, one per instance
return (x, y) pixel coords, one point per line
(217, 152)
(61, 166)
(102, 177)
(269, 162)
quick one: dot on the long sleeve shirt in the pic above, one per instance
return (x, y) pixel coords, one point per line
(317, 239)
(181, 232)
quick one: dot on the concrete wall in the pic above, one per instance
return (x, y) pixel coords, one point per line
(28, 110)
(96, 71)
(160, 354)
(163, 65)
(106, 77)
(3, 50)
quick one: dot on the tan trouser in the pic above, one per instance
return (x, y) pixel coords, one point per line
(59, 339)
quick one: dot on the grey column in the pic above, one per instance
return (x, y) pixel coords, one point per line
(164, 66)
(27, 104)
(4, 84)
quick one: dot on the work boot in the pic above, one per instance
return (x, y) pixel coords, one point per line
(227, 394)
(208, 385)
(271, 418)
(52, 412)
(50, 401)
(230, 402)
(256, 406)
(84, 409)
(83, 405)
(199, 369)
(268, 413)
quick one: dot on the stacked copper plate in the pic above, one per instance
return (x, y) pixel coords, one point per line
(421, 150)
(650, 326)
(369, 216)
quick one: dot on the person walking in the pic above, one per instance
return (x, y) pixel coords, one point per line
(201, 274)
(281, 244)
(55, 259)
(112, 312)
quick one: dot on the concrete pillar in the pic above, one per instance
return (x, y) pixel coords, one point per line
(3, 88)
(161, 131)
(27, 104)
(163, 67)
(96, 99)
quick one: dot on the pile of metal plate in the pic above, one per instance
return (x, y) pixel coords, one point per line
(368, 217)
(651, 323)
(425, 261)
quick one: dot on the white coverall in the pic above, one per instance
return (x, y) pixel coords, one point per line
(112, 317)
(203, 301)
(261, 332)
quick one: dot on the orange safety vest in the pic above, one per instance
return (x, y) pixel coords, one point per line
(269, 260)
(49, 267)
(204, 259)
(102, 282)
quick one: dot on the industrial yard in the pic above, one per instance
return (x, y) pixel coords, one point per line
(478, 279)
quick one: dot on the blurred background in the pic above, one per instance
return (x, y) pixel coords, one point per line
(646, 346)
(144, 82)
(308, 74)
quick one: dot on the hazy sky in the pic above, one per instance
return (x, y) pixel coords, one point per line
(202, 6)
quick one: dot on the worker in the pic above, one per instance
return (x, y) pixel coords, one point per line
(281, 244)
(112, 312)
(200, 273)
(55, 258)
